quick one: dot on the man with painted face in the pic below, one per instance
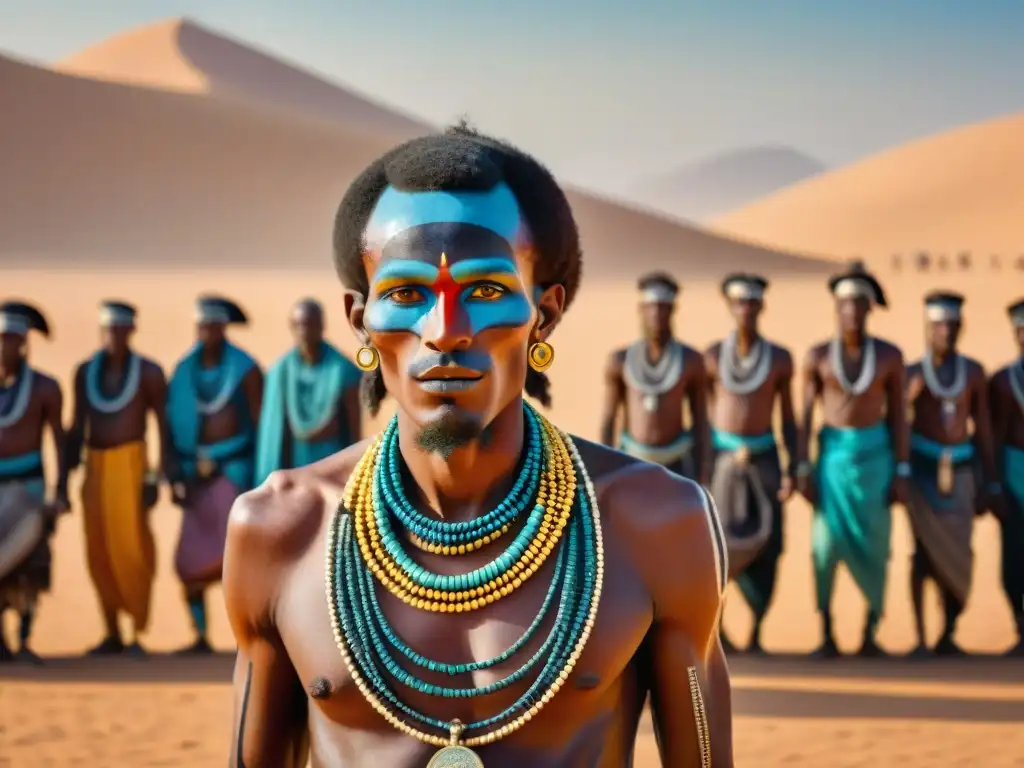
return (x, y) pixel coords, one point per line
(30, 401)
(946, 392)
(863, 452)
(213, 407)
(1006, 392)
(652, 382)
(311, 400)
(116, 389)
(498, 592)
(747, 376)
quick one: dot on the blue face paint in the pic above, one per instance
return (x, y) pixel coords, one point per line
(396, 211)
(452, 254)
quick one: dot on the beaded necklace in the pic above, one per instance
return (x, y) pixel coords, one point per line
(20, 401)
(868, 366)
(363, 547)
(129, 388)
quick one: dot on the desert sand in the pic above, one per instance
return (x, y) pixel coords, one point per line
(174, 712)
(171, 169)
(952, 192)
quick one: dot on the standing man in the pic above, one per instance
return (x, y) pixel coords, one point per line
(863, 452)
(213, 407)
(747, 376)
(29, 402)
(1007, 397)
(652, 382)
(946, 392)
(459, 254)
(115, 391)
(311, 403)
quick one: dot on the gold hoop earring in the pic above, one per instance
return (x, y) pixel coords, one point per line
(541, 356)
(367, 359)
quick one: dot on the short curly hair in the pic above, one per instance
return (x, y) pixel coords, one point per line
(462, 159)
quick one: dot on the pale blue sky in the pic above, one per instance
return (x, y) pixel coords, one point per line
(608, 91)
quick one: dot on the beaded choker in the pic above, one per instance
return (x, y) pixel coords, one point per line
(553, 495)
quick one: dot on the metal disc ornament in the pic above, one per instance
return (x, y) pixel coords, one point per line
(455, 755)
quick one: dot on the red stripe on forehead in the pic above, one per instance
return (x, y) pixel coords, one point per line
(447, 292)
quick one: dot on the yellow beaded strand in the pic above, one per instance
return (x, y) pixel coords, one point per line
(556, 685)
(561, 476)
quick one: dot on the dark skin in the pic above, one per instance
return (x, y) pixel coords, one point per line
(44, 411)
(658, 616)
(1008, 431)
(1007, 417)
(663, 425)
(99, 430)
(227, 422)
(752, 414)
(930, 421)
(884, 398)
(307, 327)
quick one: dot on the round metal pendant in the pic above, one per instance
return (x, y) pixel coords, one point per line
(455, 757)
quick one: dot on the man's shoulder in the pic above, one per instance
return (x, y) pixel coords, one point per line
(819, 351)
(781, 351)
(286, 511)
(975, 369)
(668, 522)
(1001, 377)
(44, 383)
(886, 348)
(151, 367)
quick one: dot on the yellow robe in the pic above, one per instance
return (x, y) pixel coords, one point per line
(119, 543)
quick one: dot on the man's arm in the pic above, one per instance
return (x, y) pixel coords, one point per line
(156, 403)
(982, 418)
(690, 678)
(75, 438)
(784, 395)
(53, 407)
(812, 388)
(614, 396)
(896, 406)
(1000, 418)
(252, 387)
(697, 397)
(269, 725)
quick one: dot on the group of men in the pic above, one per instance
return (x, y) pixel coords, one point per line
(222, 428)
(936, 435)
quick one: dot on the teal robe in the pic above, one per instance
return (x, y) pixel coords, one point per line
(303, 399)
(190, 382)
(1013, 531)
(853, 521)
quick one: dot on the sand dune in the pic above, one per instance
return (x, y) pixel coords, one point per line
(181, 55)
(99, 172)
(948, 193)
(715, 185)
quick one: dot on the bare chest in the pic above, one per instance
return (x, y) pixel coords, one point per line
(595, 687)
